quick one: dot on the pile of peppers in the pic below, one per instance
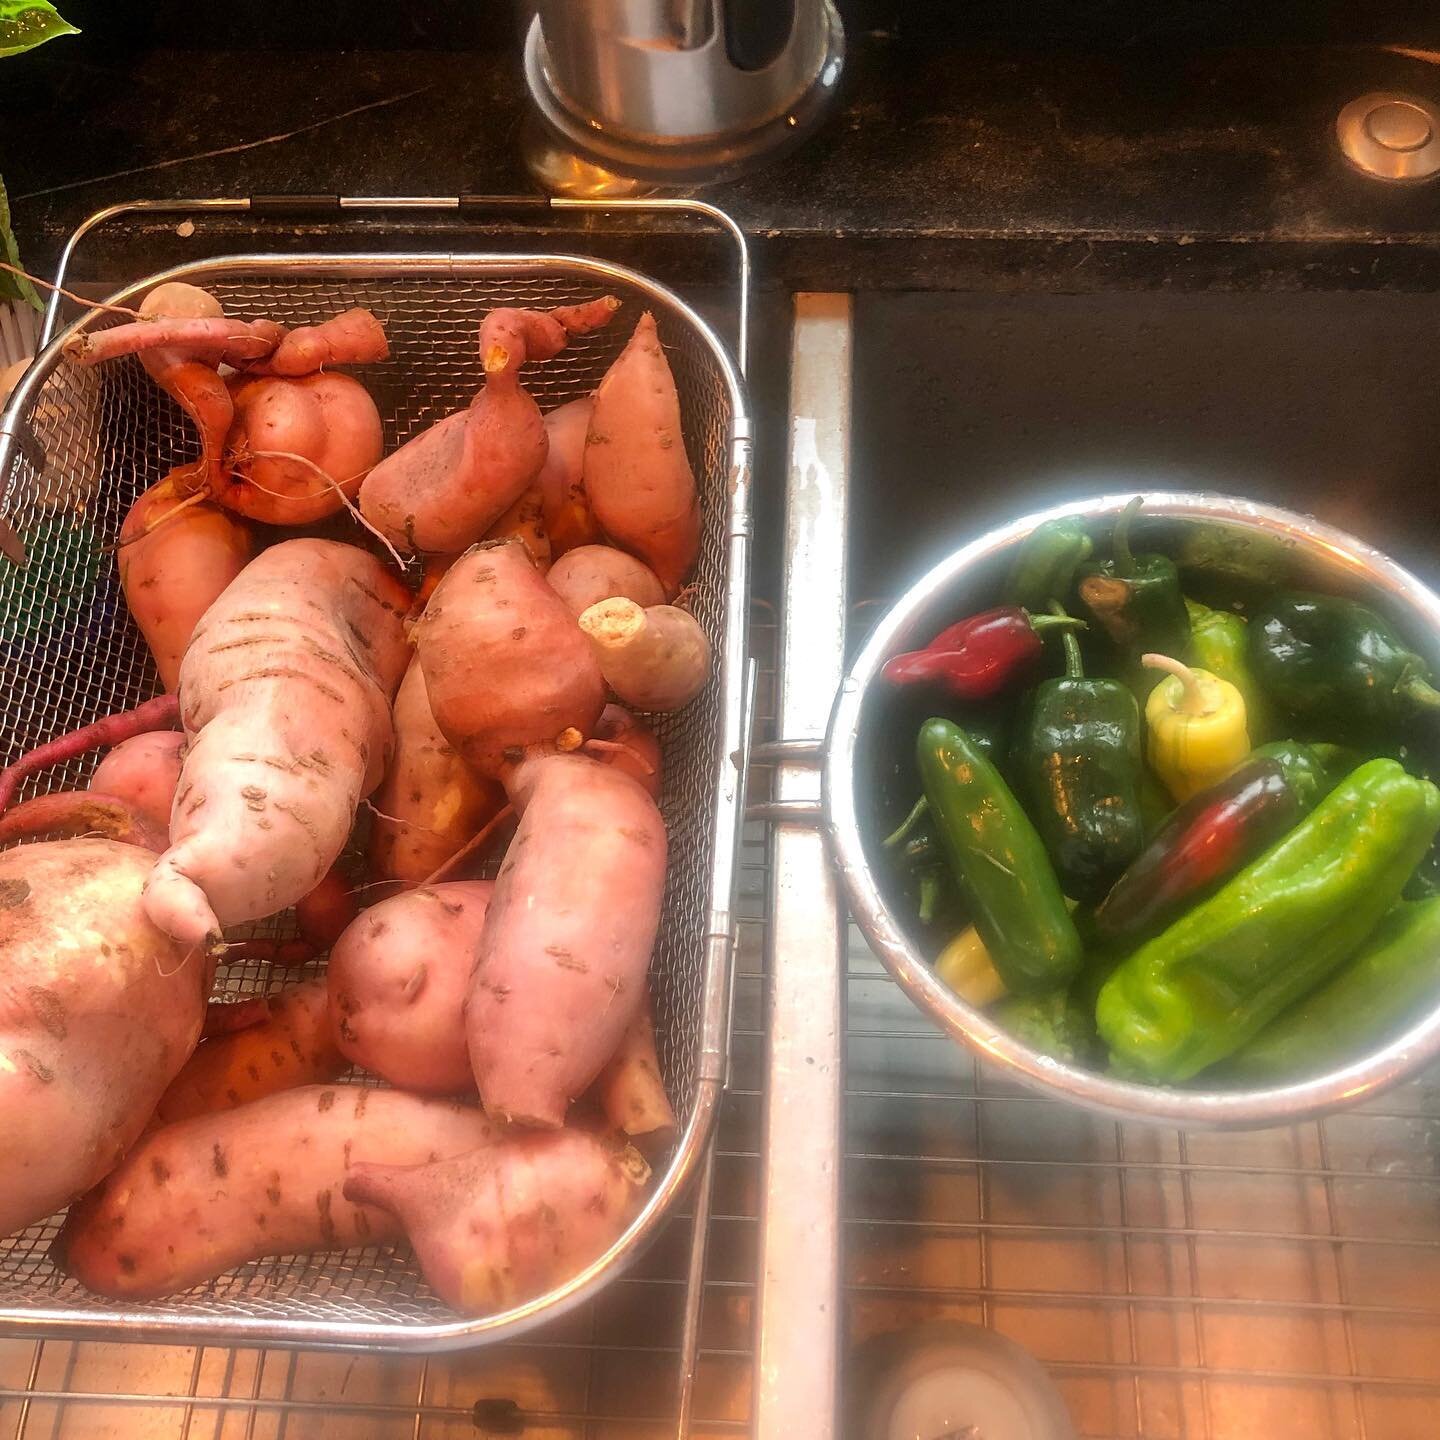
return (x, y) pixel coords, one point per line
(1203, 841)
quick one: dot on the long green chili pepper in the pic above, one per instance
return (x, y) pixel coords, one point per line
(1219, 643)
(1046, 562)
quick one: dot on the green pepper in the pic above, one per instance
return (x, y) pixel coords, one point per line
(1053, 1023)
(1046, 562)
(1312, 771)
(1219, 644)
(1337, 665)
(997, 861)
(1136, 599)
(1223, 559)
(1077, 763)
(1370, 998)
(1216, 977)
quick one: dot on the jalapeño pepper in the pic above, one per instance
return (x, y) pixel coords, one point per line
(1215, 978)
(1389, 980)
(1136, 599)
(1046, 563)
(1077, 762)
(997, 861)
(1337, 664)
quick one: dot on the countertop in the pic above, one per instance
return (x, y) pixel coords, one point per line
(1078, 155)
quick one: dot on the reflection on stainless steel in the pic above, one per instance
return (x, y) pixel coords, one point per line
(795, 1379)
(1391, 137)
(960, 580)
(680, 90)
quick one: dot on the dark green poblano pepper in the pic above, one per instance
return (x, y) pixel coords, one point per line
(1046, 562)
(1216, 977)
(1136, 599)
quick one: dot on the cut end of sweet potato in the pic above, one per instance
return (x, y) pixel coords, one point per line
(614, 623)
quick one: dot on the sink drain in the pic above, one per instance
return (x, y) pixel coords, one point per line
(1391, 137)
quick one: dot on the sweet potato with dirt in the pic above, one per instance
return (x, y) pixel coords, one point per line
(176, 555)
(591, 573)
(286, 693)
(637, 477)
(398, 978)
(569, 520)
(525, 521)
(144, 770)
(298, 449)
(561, 966)
(630, 1088)
(654, 658)
(509, 1221)
(505, 663)
(194, 1199)
(442, 490)
(290, 1046)
(98, 1012)
(430, 801)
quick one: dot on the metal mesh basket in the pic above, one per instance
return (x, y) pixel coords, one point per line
(94, 439)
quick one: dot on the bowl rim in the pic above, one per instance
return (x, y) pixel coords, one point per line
(1208, 1109)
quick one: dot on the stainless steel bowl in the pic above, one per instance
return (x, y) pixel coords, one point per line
(968, 580)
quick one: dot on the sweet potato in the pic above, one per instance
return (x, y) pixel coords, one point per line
(631, 1092)
(290, 1046)
(623, 741)
(442, 490)
(562, 959)
(505, 663)
(176, 555)
(398, 978)
(354, 337)
(591, 573)
(525, 521)
(98, 1011)
(144, 770)
(430, 801)
(569, 520)
(637, 478)
(655, 658)
(509, 1221)
(298, 449)
(196, 1198)
(286, 688)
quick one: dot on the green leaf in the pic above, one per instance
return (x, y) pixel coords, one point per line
(24, 24)
(12, 287)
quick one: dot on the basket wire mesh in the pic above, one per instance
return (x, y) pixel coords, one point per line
(101, 436)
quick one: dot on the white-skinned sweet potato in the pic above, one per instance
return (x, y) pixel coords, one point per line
(505, 663)
(563, 955)
(197, 1198)
(654, 658)
(584, 576)
(398, 977)
(508, 1222)
(285, 697)
(98, 1012)
(637, 477)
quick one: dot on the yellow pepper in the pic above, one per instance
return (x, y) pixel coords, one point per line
(1196, 723)
(966, 967)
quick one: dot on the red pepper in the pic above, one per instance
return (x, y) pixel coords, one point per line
(1198, 848)
(978, 657)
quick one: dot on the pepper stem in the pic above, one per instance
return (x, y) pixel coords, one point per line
(1195, 696)
(1074, 661)
(902, 831)
(1120, 538)
(1418, 691)
(1040, 624)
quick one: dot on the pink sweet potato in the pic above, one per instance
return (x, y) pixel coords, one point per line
(398, 978)
(509, 1221)
(505, 663)
(354, 337)
(288, 1047)
(590, 573)
(144, 770)
(569, 520)
(525, 521)
(299, 448)
(654, 659)
(631, 1092)
(445, 488)
(98, 1011)
(196, 1198)
(286, 701)
(562, 959)
(175, 559)
(636, 475)
(430, 801)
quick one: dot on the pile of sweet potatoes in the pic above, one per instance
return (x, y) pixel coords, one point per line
(324, 709)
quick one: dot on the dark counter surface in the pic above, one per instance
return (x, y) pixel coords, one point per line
(947, 138)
